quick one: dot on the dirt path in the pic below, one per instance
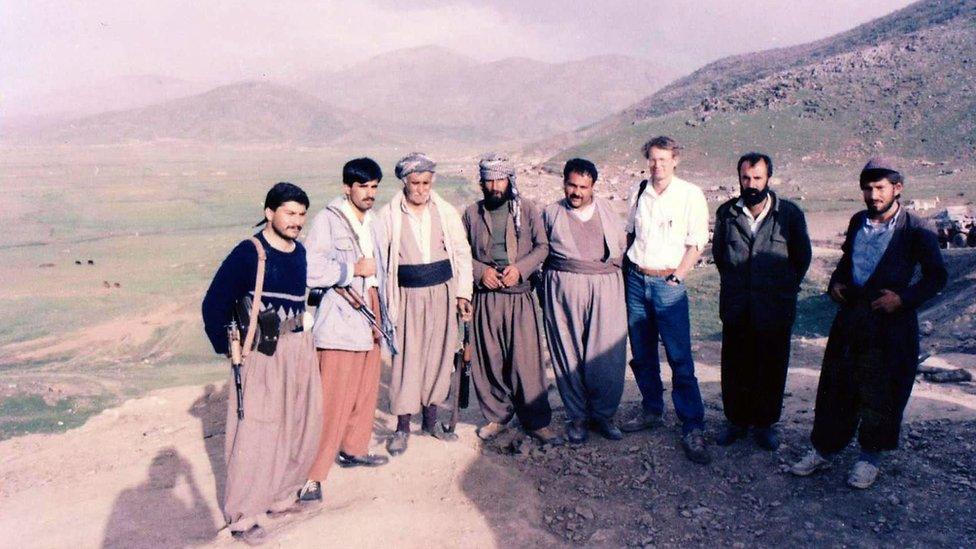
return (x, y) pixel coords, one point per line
(143, 475)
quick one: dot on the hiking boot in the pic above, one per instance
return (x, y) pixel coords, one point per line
(730, 434)
(695, 449)
(312, 491)
(253, 536)
(810, 464)
(490, 430)
(397, 443)
(606, 428)
(439, 432)
(576, 432)
(546, 435)
(641, 420)
(766, 438)
(862, 475)
(368, 460)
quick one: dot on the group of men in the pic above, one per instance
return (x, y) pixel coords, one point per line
(411, 275)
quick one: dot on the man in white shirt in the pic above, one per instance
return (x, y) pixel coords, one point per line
(667, 229)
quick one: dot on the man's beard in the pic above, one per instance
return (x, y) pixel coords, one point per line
(493, 201)
(877, 212)
(753, 197)
(282, 234)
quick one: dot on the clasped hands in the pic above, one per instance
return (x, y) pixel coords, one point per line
(493, 280)
(888, 302)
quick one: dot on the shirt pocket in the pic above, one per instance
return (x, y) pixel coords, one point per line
(344, 243)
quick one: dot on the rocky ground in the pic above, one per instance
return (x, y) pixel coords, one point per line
(641, 492)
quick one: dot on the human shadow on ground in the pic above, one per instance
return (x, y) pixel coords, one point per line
(156, 513)
(211, 410)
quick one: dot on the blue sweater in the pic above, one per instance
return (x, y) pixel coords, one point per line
(284, 287)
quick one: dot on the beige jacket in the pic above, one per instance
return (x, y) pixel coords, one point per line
(387, 227)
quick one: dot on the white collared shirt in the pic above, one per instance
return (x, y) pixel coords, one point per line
(364, 235)
(585, 213)
(420, 226)
(755, 222)
(665, 224)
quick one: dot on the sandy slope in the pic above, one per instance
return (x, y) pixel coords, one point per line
(142, 475)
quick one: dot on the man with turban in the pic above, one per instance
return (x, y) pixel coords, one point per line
(508, 245)
(424, 274)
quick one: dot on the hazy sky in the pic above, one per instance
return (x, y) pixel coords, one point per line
(47, 45)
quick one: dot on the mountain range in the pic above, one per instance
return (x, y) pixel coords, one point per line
(416, 95)
(902, 85)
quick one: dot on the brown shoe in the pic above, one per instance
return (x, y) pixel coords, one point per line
(546, 435)
(695, 447)
(491, 430)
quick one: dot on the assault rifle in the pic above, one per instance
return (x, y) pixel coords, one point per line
(234, 340)
(461, 380)
(357, 302)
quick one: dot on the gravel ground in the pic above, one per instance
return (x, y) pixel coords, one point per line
(642, 492)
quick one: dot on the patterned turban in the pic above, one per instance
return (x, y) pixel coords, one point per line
(496, 166)
(413, 163)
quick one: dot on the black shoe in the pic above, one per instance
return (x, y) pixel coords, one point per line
(368, 460)
(606, 428)
(439, 432)
(576, 432)
(640, 421)
(730, 434)
(695, 449)
(397, 443)
(312, 491)
(253, 536)
(766, 438)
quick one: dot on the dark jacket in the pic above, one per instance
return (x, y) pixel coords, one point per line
(761, 272)
(914, 244)
(526, 253)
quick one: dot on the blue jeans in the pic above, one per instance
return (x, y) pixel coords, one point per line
(656, 308)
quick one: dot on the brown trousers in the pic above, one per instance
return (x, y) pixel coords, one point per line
(350, 385)
(269, 452)
(507, 370)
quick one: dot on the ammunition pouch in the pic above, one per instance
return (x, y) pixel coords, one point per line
(268, 328)
(315, 296)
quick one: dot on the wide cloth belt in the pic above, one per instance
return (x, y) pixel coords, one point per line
(579, 266)
(424, 275)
